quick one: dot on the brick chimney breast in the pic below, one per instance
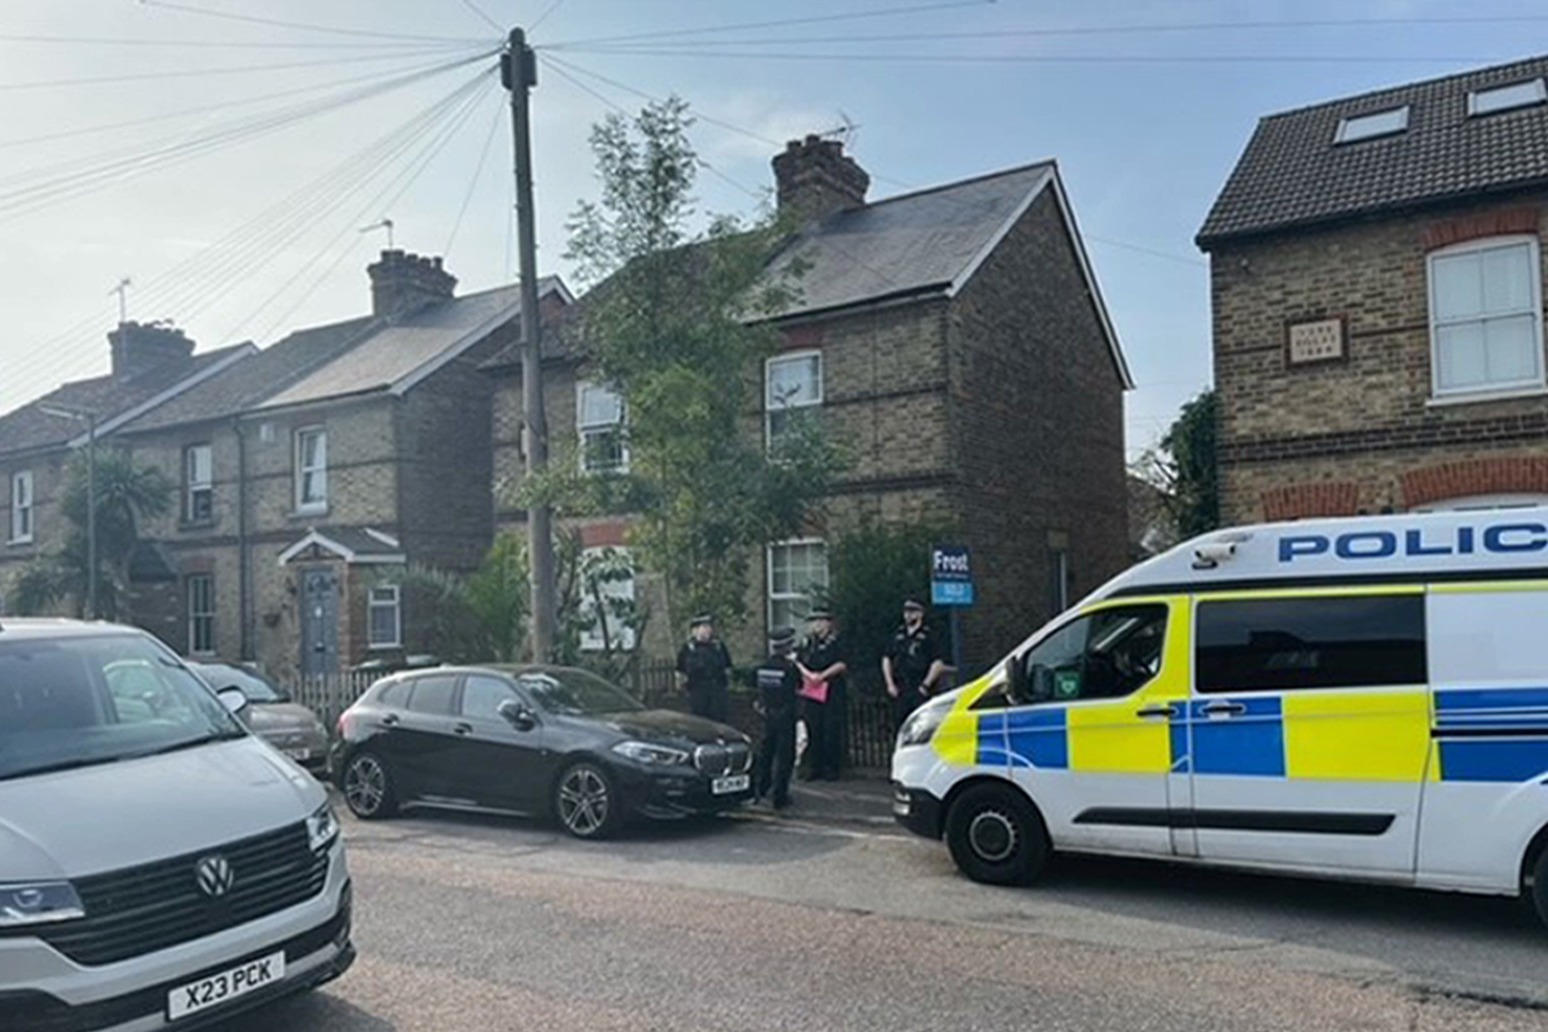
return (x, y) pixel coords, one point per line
(138, 348)
(815, 178)
(402, 282)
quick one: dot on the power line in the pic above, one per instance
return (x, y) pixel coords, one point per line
(1003, 59)
(478, 174)
(710, 30)
(470, 5)
(550, 9)
(186, 44)
(299, 26)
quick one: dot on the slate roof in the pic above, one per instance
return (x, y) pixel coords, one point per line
(1292, 173)
(911, 244)
(29, 427)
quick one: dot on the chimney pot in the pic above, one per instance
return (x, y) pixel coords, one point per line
(139, 348)
(402, 282)
(815, 178)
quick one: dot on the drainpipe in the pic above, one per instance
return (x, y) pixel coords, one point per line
(244, 564)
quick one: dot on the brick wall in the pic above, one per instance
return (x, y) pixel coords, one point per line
(48, 476)
(1360, 424)
(1037, 433)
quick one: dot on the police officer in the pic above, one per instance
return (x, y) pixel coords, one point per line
(822, 659)
(705, 666)
(778, 678)
(911, 663)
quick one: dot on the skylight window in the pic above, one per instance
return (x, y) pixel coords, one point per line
(1504, 98)
(1379, 123)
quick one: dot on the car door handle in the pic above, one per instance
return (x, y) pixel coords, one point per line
(1156, 710)
(463, 729)
(1223, 709)
(390, 719)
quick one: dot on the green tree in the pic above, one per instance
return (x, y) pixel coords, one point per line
(1184, 467)
(473, 617)
(871, 570)
(126, 495)
(677, 325)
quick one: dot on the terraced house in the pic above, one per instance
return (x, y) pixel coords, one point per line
(1377, 275)
(310, 473)
(954, 339)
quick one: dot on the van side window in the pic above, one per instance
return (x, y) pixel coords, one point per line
(433, 694)
(1266, 645)
(1104, 655)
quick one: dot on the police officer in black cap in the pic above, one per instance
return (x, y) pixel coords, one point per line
(911, 663)
(705, 665)
(778, 678)
(822, 661)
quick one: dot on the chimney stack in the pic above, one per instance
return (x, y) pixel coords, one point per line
(815, 178)
(138, 348)
(402, 282)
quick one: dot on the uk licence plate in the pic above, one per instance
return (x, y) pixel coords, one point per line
(733, 783)
(225, 986)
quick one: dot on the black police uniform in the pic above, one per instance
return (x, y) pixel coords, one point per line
(777, 678)
(825, 720)
(912, 654)
(706, 665)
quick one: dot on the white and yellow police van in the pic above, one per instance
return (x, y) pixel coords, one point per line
(1356, 698)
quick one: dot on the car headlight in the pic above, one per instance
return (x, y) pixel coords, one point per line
(644, 752)
(921, 726)
(322, 828)
(31, 903)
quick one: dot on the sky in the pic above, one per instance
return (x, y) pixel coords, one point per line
(227, 156)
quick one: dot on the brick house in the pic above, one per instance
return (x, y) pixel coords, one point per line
(1377, 277)
(311, 473)
(955, 342)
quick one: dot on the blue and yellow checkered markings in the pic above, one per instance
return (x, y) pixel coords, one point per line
(1182, 763)
(1037, 737)
(1251, 743)
(1516, 754)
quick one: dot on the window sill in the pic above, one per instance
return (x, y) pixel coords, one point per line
(385, 647)
(196, 524)
(306, 514)
(18, 542)
(1511, 394)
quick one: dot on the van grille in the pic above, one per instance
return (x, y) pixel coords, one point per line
(139, 910)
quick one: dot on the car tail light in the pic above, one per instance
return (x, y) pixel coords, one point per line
(345, 719)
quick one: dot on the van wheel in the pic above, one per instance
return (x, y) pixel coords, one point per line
(996, 836)
(1537, 894)
(368, 787)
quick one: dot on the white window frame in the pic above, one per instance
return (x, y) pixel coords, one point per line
(582, 428)
(388, 597)
(1350, 129)
(302, 470)
(769, 407)
(622, 636)
(192, 486)
(23, 507)
(196, 615)
(770, 596)
(1526, 93)
(1533, 308)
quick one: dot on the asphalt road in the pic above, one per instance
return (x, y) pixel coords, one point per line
(756, 923)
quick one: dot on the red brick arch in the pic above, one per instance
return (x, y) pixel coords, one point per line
(1509, 474)
(1302, 501)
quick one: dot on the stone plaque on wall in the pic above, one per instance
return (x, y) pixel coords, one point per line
(1321, 340)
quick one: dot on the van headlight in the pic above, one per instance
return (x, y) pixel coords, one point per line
(654, 755)
(322, 828)
(33, 903)
(921, 726)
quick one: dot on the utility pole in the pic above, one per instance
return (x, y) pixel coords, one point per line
(518, 70)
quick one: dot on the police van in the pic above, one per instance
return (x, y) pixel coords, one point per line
(1355, 698)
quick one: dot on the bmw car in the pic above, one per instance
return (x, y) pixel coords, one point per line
(544, 741)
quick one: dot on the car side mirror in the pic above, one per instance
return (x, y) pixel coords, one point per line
(517, 715)
(233, 698)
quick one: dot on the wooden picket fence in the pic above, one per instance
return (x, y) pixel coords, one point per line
(869, 720)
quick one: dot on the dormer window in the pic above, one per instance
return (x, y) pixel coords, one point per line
(1506, 98)
(1367, 127)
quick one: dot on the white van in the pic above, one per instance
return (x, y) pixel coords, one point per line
(1356, 698)
(160, 867)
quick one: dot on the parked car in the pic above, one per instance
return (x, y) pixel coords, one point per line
(158, 863)
(272, 715)
(537, 741)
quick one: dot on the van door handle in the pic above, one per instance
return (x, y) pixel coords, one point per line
(1226, 709)
(463, 729)
(1156, 710)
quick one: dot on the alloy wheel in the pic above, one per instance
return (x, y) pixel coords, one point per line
(365, 785)
(583, 801)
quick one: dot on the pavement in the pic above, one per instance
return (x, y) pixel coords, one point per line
(863, 798)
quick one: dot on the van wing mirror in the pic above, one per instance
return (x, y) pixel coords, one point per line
(233, 698)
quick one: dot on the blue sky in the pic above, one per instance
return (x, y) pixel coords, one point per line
(1146, 104)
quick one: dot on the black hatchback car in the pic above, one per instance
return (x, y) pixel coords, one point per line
(537, 741)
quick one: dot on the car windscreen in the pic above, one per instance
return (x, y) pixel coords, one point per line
(77, 701)
(219, 676)
(574, 693)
